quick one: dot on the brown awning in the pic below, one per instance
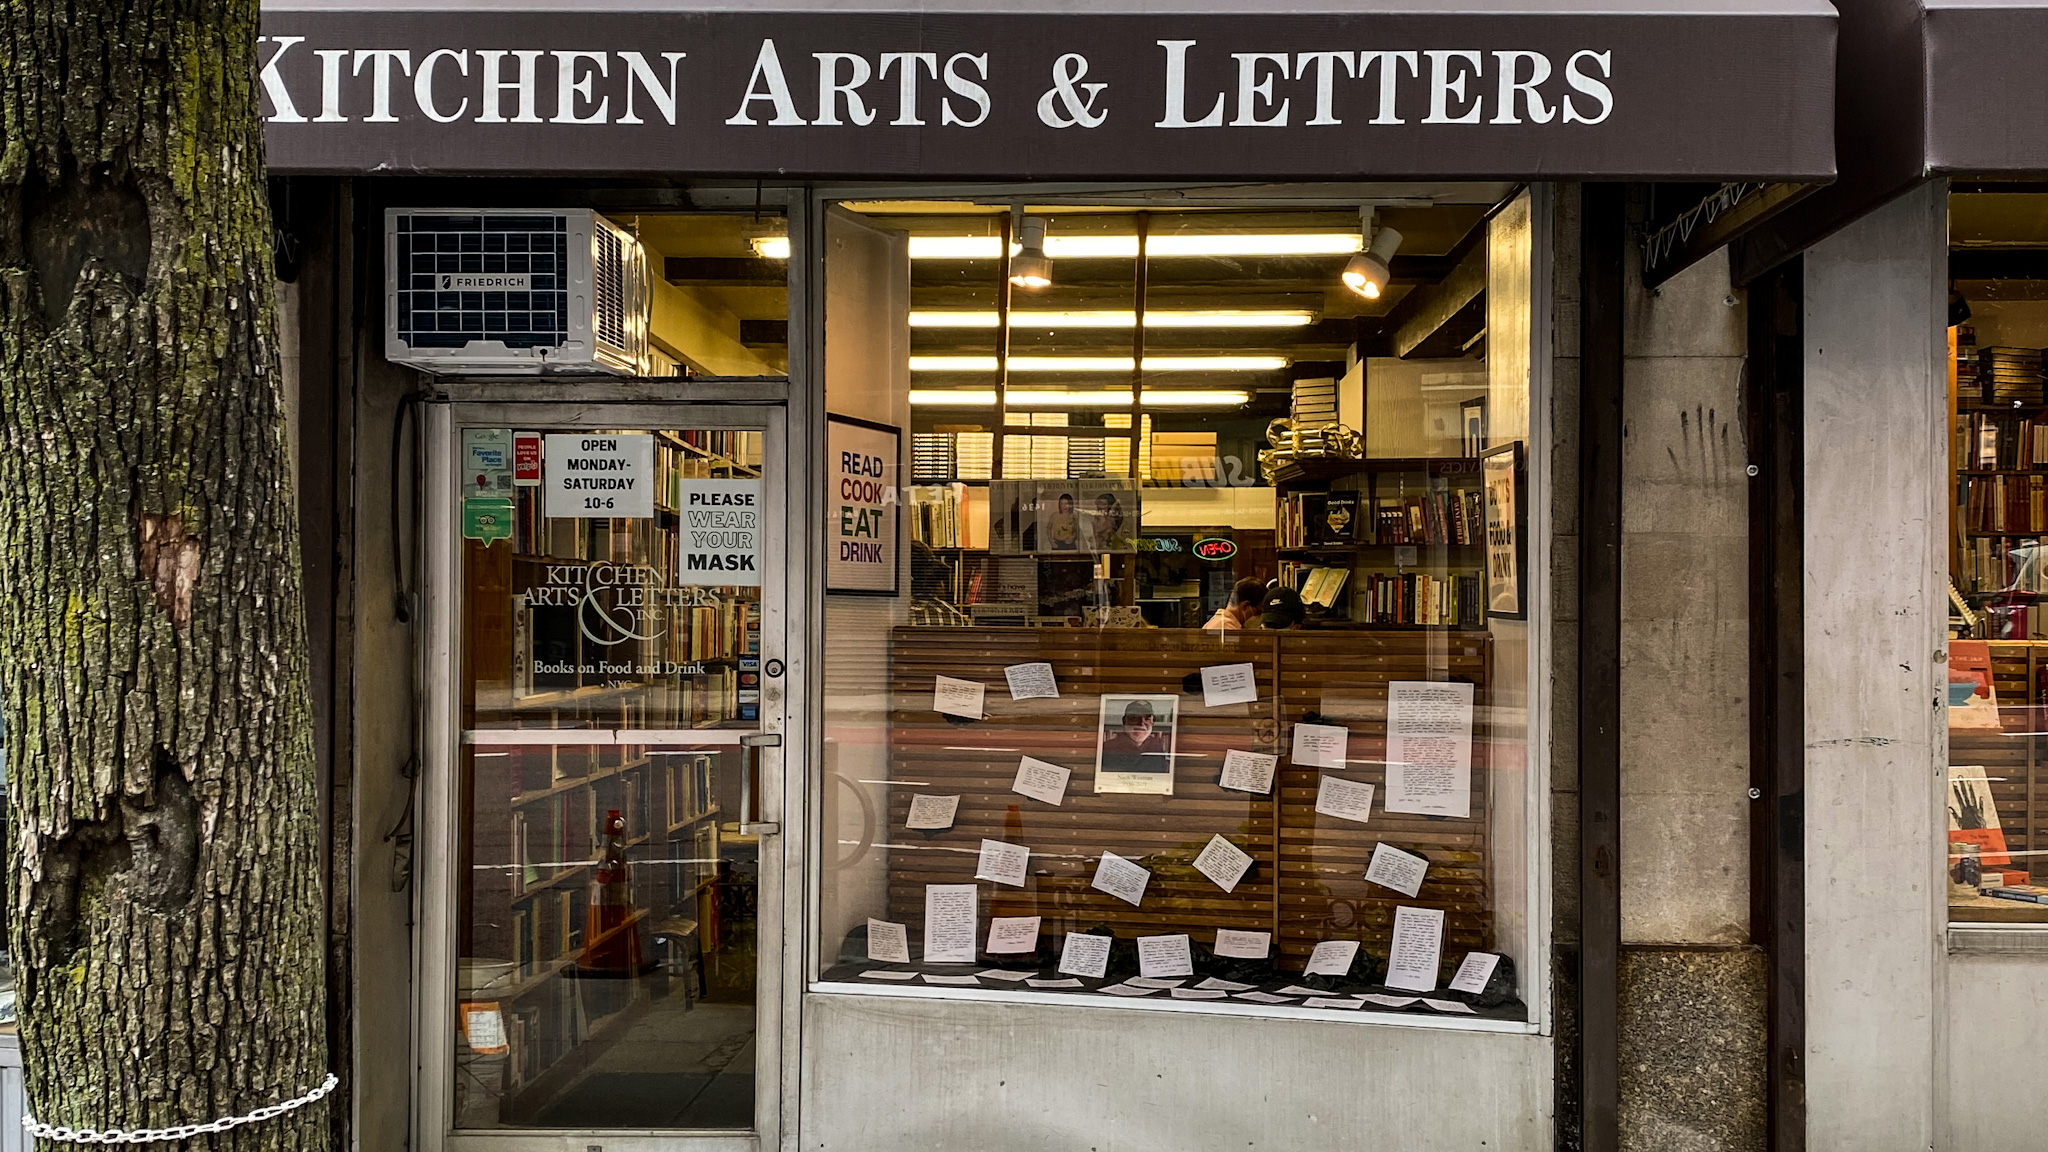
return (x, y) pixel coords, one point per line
(1987, 107)
(1495, 89)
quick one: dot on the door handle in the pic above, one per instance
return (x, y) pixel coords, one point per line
(748, 825)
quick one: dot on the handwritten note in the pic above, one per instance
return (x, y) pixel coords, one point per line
(949, 911)
(1121, 878)
(1032, 682)
(1429, 748)
(1197, 994)
(1418, 944)
(1248, 771)
(1085, 954)
(1385, 1000)
(1223, 862)
(1393, 868)
(1474, 972)
(1264, 998)
(1165, 956)
(1153, 982)
(1448, 1006)
(957, 697)
(884, 974)
(888, 943)
(1012, 934)
(1243, 945)
(935, 978)
(1344, 799)
(1003, 863)
(1218, 984)
(1328, 1002)
(1320, 745)
(1064, 982)
(1332, 958)
(1229, 684)
(1128, 990)
(1003, 974)
(932, 812)
(1041, 781)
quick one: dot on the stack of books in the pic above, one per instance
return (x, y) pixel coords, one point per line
(2010, 375)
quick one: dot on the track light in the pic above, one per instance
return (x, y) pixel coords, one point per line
(1030, 268)
(1368, 272)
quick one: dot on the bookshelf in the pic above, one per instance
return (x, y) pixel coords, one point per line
(1393, 543)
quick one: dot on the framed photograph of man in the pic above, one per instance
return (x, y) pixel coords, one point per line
(1134, 744)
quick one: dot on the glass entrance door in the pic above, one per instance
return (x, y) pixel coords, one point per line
(613, 708)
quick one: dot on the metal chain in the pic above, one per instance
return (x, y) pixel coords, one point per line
(41, 1131)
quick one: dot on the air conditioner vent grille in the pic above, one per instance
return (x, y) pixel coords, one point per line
(435, 312)
(609, 320)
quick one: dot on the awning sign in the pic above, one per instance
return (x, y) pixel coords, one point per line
(721, 533)
(597, 475)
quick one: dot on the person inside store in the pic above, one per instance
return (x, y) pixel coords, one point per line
(1247, 600)
(1136, 748)
(1281, 608)
(931, 585)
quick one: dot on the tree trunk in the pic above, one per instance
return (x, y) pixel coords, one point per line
(164, 915)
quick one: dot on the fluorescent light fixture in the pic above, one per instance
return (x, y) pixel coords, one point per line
(770, 247)
(1099, 363)
(1164, 318)
(1069, 398)
(1101, 247)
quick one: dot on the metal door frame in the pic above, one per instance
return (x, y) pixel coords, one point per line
(738, 404)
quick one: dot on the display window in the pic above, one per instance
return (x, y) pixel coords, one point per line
(1997, 801)
(1181, 628)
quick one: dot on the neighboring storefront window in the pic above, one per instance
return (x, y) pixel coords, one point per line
(1998, 525)
(1167, 656)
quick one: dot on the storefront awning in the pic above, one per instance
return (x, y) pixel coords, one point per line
(1987, 108)
(1517, 89)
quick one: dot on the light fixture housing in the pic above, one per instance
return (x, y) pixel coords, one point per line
(1369, 272)
(1030, 268)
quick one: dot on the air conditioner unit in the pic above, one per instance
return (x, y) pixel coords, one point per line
(505, 291)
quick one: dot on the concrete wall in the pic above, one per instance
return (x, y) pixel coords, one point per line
(1692, 992)
(1876, 453)
(1997, 989)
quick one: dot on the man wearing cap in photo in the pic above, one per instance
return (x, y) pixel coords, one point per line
(1136, 748)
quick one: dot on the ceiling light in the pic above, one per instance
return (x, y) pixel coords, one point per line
(1099, 363)
(770, 247)
(1125, 246)
(1068, 398)
(1030, 267)
(1164, 318)
(1369, 272)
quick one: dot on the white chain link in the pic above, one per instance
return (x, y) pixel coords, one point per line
(41, 1131)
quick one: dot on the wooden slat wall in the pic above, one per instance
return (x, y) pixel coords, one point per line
(1318, 862)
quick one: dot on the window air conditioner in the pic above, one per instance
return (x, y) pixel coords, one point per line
(472, 291)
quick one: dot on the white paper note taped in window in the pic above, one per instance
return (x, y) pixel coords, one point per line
(957, 697)
(949, 911)
(1197, 994)
(1332, 958)
(883, 974)
(1243, 945)
(1448, 1006)
(1032, 682)
(1229, 684)
(1121, 878)
(1327, 1002)
(1012, 934)
(1344, 799)
(1320, 745)
(1041, 781)
(1473, 974)
(1387, 1001)
(888, 943)
(1393, 868)
(1085, 954)
(929, 813)
(1223, 862)
(1418, 944)
(1429, 748)
(1003, 863)
(1248, 772)
(1165, 956)
(1218, 984)
(1067, 982)
(1264, 998)
(1127, 990)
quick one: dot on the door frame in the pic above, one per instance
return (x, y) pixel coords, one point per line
(742, 404)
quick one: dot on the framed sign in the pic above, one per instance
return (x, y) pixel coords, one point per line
(1501, 471)
(864, 521)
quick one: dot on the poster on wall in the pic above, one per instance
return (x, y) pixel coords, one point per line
(863, 526)
(1134, 744)
(1501, 472)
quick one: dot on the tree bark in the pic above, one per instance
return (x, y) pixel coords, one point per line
(164, 913)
